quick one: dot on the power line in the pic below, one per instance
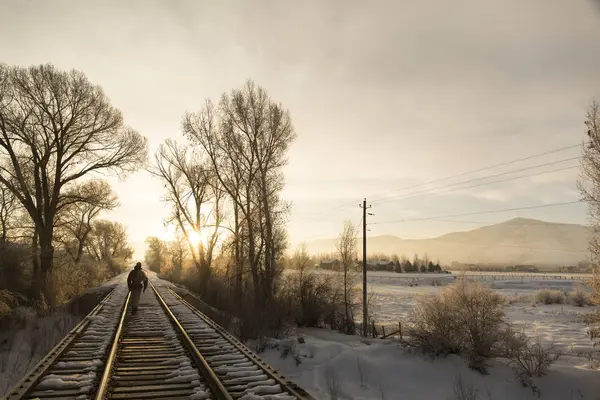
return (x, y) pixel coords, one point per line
(480, 212)
(410, 195)
(417, 195)
(350, 205)
(482, 169)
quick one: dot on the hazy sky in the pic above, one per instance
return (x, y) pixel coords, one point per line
(383, 95)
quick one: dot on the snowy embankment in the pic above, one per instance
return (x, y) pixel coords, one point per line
(382, 369)
(22, 348)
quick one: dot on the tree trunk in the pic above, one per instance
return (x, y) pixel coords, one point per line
(36, 287)
(47, 271)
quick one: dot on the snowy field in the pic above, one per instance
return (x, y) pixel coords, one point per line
(392, 302)
(393, 373)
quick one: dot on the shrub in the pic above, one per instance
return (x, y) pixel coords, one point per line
(531, 359)
(465, 318)
(72, 279)
(579, 298)
(547, 296)
(435, 329)
(310, 296)
(8, 301)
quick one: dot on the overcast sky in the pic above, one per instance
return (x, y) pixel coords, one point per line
(383, 95)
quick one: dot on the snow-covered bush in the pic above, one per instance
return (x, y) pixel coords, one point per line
(435, 330)
(547, 296)
(530, 359)
(578, 298)
(466, 318)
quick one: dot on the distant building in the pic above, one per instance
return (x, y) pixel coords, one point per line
(525, 268)
(380, 265)
(330, 264)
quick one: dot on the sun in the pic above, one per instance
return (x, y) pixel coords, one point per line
(194, 238)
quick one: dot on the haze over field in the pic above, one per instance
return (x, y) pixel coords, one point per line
(517, 241)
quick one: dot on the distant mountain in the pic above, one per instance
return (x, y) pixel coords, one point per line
(517, 241)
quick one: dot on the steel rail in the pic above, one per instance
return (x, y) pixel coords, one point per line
(287, 384)
(32, 378)
(105, 380)
(218, 390)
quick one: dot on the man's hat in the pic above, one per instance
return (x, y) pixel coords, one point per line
(138, 265)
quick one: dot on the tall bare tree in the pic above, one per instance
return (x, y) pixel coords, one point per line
(56, 128)
(346, 247)
(75, 221)
(246, 138)
(589, 186)
(195, 197)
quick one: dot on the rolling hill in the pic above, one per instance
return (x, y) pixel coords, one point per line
(517, 241)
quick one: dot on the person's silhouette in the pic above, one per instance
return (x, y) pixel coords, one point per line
(136, 282)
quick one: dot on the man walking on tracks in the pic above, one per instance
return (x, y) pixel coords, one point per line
(136, 281)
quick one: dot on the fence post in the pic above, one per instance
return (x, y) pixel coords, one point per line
(382, 330)
(400, 329)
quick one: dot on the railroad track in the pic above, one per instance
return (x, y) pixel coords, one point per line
(168, 350)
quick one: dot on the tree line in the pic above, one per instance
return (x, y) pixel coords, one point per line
(382, 262)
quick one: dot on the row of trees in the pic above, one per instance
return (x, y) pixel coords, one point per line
(223, 183)
(58, 132)
(384, 263)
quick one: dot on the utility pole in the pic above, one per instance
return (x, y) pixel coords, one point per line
(365, 308)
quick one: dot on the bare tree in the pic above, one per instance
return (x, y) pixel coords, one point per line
(589, 186)
(246, 138)
(108, 242)
(346, 247)
(178, 254)
(195, 197)
(589, 183)
(156, 254)
(56, 128)
(75, 221)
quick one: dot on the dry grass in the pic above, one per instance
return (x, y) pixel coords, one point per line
(333, 385)
(463, 390)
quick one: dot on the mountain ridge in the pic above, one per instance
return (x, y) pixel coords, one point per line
(515, 241)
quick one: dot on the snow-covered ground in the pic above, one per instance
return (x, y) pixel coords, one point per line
(393, 373)
(381, 369)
